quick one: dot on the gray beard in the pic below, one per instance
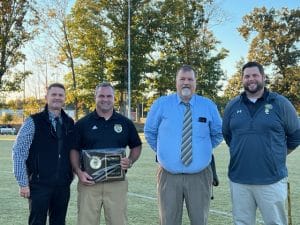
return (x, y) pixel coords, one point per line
(186, 92)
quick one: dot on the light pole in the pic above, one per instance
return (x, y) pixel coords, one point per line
(24, 96)
(129, 65)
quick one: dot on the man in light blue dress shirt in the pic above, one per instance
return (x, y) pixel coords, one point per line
(178, 182)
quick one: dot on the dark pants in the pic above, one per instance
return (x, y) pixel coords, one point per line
(47, 200)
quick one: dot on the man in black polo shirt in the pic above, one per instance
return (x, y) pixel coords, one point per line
(104, 128)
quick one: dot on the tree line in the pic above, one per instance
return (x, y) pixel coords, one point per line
(91, 39)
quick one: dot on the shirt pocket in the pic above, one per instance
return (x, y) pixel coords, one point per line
(201, 129)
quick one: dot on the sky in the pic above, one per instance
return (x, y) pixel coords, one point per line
(227, 32)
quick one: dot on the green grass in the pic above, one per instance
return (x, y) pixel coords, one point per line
(142, 203)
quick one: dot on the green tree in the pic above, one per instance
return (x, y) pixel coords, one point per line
(274, 36)
(15, 82)
(99, 38)
(164, 35)
(88, 42)
(143, 24)
(289, 86)
(16, 20)
(184, 38)
(234, 86)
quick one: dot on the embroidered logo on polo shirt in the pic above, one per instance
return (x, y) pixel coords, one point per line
(268, 107)
(118, 128)
(94, 127)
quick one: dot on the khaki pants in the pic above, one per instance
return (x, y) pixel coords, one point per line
(194, 189)
(111, 195)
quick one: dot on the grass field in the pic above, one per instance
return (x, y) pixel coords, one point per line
(142, 207)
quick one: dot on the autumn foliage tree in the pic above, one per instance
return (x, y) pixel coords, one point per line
(274, 40)
(54, 17)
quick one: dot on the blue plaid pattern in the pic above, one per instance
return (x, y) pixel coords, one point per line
(20, 151)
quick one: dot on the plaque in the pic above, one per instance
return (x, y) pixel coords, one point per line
(103, 165)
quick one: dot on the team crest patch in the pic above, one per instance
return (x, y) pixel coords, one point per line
(118, 128)
(268, 107)
(95, 162)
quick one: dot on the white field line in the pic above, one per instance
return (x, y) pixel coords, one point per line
(5, 171)
(141, 196)
(221, 213)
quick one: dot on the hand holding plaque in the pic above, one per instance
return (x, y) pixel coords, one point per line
(104, 164)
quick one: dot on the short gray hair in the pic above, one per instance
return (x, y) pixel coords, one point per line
(186, 68)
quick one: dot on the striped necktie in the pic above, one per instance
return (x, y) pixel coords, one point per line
(186, 144)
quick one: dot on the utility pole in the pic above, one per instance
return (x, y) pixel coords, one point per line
(24, 96)
(129, 64)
